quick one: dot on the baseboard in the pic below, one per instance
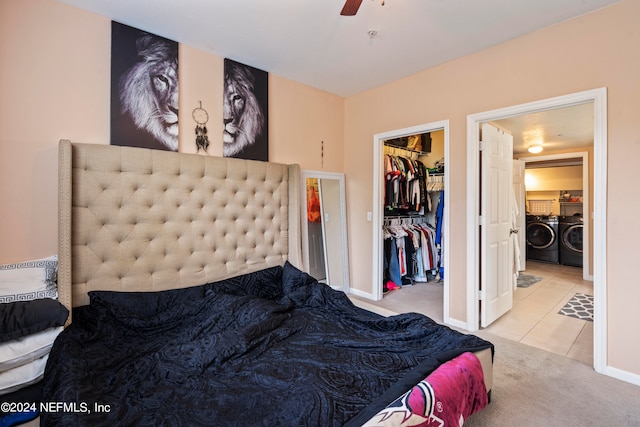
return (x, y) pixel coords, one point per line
(362, 294)
(456, 323)
(621, 375)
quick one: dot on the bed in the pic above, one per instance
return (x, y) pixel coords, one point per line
(181, 272)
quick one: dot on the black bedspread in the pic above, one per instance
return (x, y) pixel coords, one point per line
(273, 348)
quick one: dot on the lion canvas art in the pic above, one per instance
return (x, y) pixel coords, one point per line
(245, 112)
(144, 89)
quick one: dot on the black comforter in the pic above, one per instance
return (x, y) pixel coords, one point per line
(273, 348)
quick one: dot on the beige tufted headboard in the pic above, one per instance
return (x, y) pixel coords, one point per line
(133, 219)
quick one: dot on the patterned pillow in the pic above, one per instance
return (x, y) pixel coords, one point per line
(30, 280)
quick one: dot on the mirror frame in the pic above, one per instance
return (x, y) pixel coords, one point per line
(345, 285)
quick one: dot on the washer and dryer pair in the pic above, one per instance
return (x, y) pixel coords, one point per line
(542, 238)
(555, 239)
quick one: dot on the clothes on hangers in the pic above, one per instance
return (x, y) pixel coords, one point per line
(410, 251)
(412, 247)
(439, 230)
(313, 206)
(405, 184)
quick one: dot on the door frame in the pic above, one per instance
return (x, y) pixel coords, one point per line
(378, 197)
(584, 155)
(599, 99)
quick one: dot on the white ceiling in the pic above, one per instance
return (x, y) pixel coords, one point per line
(309, 42)
(557, 129)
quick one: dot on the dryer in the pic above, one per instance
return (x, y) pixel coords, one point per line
(542, 238)
(570, 232)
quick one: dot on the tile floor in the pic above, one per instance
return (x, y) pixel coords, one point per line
(534, 318)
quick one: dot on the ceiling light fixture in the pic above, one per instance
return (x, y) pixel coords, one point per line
(535, 149)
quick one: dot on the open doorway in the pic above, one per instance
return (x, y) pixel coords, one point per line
(560, 187)
(598, 100)
(552, 302)
(557, 179)
(442, 129)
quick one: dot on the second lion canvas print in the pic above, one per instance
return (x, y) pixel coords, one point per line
(245, 112)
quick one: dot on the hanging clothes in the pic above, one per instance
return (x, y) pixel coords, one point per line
(410, 251)
(405, 185)
(514, 236)
(313, 206)
(439, 229)
(413, 227)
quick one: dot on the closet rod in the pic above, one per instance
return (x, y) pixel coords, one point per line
(408, 215)
(413, 218)
(407, 150)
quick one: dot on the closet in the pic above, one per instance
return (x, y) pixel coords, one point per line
(412, 229)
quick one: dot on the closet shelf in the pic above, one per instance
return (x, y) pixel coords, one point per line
(407, 150)
(402, 215)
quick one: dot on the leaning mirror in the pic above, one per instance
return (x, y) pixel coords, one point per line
(324, 228)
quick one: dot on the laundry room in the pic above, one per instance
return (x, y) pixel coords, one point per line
(553, 156)
(554, 208)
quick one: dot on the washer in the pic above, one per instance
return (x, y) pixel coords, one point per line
(570, 232)
(542, 238)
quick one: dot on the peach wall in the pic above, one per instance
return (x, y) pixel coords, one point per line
(198, 71)
(310, 124)
(55, 84)
(554, 179)
(591, 51)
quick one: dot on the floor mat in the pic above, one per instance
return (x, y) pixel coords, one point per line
(526, 280)
(579, 306)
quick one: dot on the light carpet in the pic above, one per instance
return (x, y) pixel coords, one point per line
(533, 387)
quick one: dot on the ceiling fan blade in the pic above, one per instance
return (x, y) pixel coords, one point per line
(351, 7)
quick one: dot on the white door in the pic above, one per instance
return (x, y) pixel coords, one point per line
(496, 248)
(520, 214)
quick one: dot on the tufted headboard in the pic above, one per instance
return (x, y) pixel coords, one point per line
(133, 219)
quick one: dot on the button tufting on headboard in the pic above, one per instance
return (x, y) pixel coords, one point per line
(152, 220)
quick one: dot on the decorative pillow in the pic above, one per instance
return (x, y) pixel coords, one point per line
(27, 349)
(29, 280)
(22, 376)
(21, 318)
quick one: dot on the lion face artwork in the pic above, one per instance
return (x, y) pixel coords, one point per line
(147, 92)
(244, 116)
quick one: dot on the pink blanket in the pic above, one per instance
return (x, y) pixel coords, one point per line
(447, 397)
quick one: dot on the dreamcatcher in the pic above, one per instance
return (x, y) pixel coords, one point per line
(201, 117)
